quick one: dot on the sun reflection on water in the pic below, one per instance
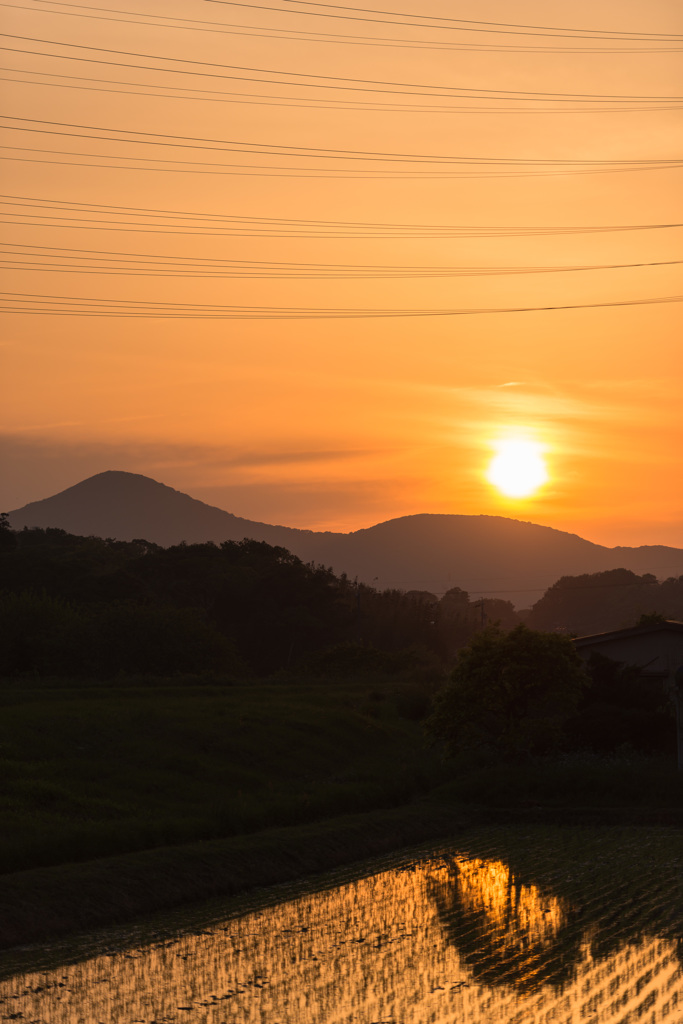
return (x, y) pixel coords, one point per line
(522, 910)
(452, 939)
(505, 929)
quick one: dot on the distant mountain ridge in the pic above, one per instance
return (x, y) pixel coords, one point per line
(484, 555)
(129, 506)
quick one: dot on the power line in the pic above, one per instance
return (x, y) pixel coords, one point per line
(300, 35)
(260, 99)
(454, 24)
(311, 152)
(191, 271)
(277, 171)
(55, 305)
(201, 261)
(321, 274)
(145, 264)
(322, 80)
(471, 230)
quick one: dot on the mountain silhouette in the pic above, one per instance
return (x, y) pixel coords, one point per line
(484, 555)
(129, 506)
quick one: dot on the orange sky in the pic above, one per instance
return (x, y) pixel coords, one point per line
(341, 423)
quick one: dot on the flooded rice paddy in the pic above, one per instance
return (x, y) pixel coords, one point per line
(513, 926)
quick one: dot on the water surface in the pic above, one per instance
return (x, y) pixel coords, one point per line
(505, 925)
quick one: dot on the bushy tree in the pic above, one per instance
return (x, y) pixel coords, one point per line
(510, 693)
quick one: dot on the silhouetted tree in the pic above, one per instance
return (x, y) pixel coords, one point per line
(7, 538)
(601, 601)
(509, 692)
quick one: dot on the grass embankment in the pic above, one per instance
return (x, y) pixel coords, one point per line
(93, 771)
(117, 800)
(621, 787)
(45, 902)
(122, 799)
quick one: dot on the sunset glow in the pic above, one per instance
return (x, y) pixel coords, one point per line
(518, 469)
(298, 262)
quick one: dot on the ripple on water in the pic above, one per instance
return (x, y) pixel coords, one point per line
(507, 926)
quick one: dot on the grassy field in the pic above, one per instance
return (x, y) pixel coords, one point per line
(121, 799)
(624, 785)
(92, 771)
(99, 770)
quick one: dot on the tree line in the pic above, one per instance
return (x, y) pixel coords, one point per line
(98, 607)
(89, 606)
(601, 601)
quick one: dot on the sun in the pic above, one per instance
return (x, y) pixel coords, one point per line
(518, 468)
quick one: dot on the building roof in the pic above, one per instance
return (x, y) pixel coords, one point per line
(667, 626)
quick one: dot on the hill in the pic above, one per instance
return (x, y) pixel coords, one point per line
(487, 555)
(128, 506)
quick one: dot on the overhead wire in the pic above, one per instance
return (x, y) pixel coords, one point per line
(58, 305)
(302, 272)
(45, 305)
(277, 149)
(321, 81)
(435, 162)
(331, 228)
(452, 24)
(278, 171)
(259, 99)
(145, 264)
(300, 35)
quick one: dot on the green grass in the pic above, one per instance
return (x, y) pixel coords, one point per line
(42, 903)
(100, 770)
(574, 781)
(174, 791)
(92, 771)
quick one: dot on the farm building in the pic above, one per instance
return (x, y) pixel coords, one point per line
(656, 648)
